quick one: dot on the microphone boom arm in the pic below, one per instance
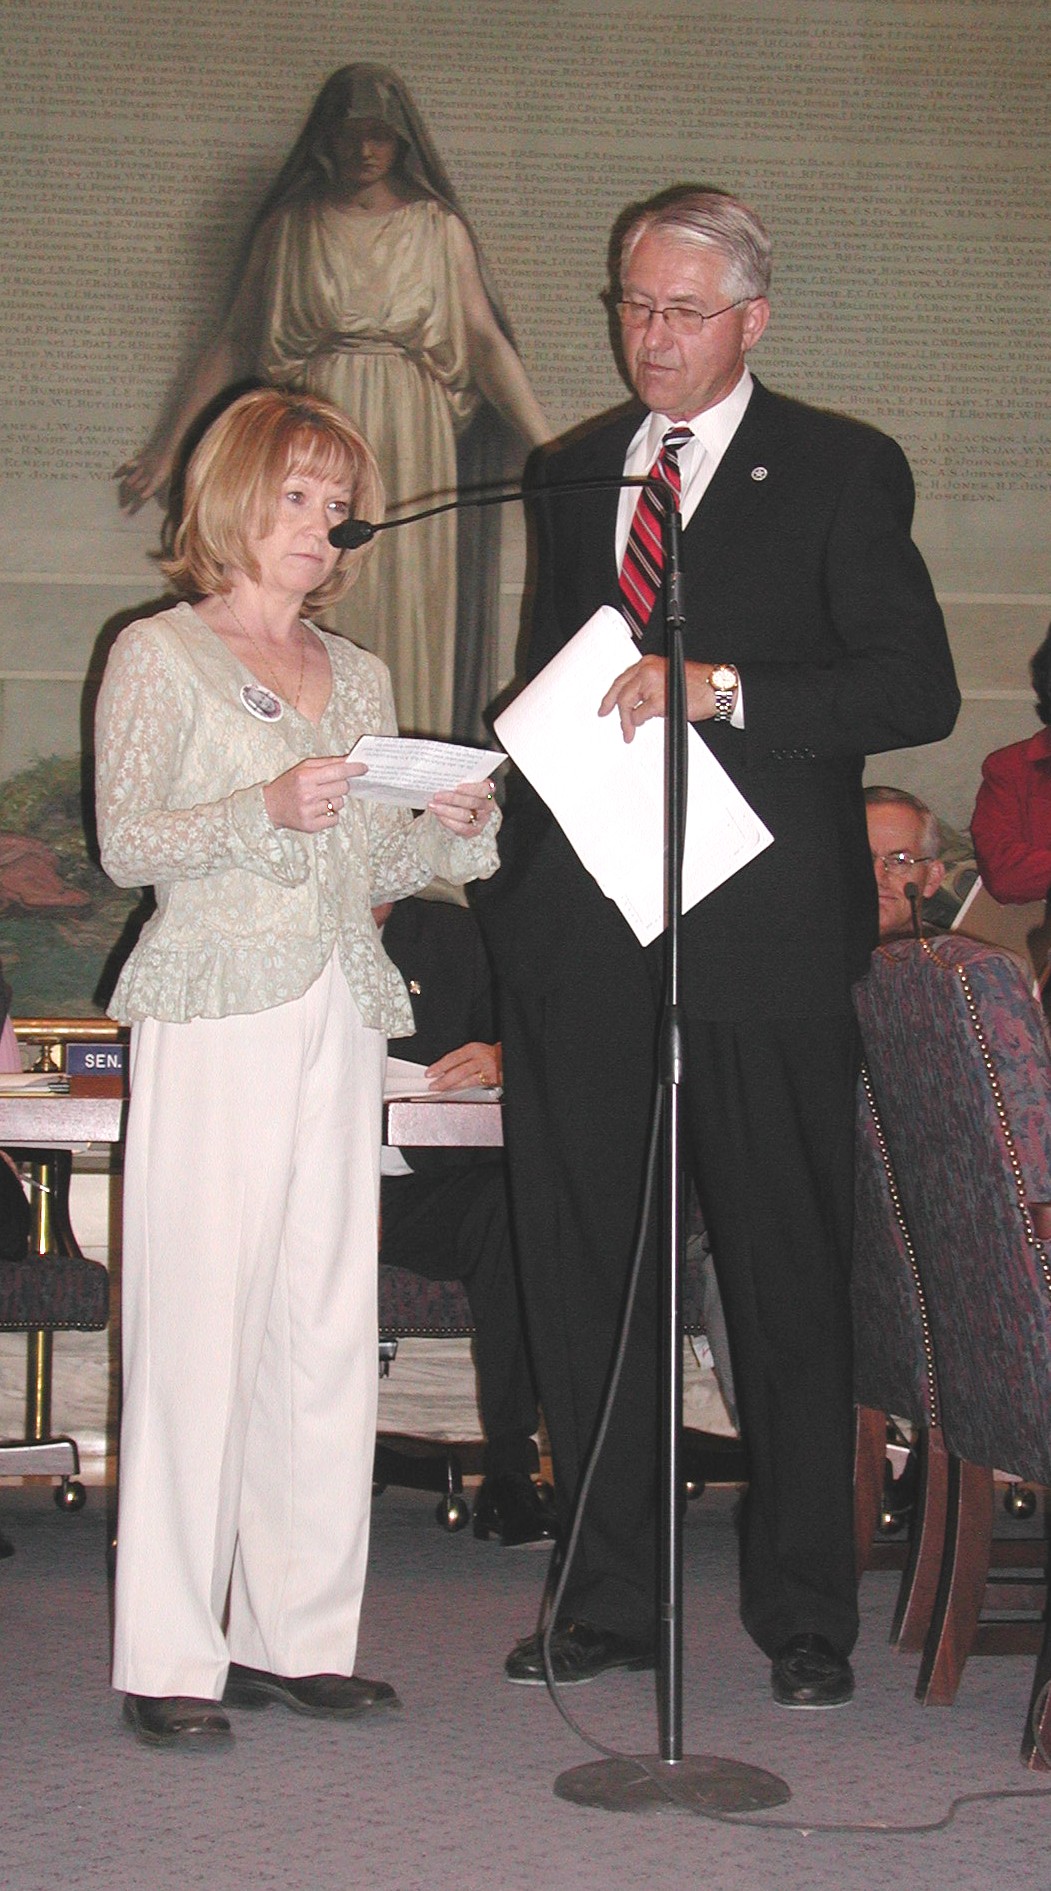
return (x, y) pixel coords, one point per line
(353, 533)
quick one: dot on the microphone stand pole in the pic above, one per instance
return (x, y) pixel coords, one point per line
(694, 1782)
(671, 1063)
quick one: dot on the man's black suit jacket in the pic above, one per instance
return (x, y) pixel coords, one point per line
(800, 570)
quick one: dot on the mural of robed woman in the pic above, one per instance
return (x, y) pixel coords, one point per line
(364, 284)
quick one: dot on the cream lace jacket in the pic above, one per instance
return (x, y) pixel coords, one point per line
(249, 914)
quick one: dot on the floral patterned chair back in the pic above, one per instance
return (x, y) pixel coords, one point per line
(893, 1376)
(893, 1356)
(960, 1068)
(959, 1064)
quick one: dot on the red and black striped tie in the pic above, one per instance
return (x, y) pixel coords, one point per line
(643, 567)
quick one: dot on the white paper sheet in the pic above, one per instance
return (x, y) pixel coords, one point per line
(409, 771)
(608, 795)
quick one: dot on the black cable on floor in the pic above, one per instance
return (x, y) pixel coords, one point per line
(817, 1829)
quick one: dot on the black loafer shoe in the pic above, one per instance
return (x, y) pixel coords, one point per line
(178, 1720)
(807, 1672)
(321, 1696)
(579, 1652)
(515, 1509)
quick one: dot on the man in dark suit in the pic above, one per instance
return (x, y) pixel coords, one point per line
(444, 1212)
(813, 636)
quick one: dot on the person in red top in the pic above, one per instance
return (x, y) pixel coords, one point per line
(1011, 824)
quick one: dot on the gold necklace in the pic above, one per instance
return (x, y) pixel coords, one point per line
(294, 700)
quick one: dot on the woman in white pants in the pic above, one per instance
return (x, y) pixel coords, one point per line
(261, 1002)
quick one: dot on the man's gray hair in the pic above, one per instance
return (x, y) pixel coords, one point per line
(711, 219)
(930, 833)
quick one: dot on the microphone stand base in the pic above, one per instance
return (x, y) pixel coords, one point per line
(699, 1782)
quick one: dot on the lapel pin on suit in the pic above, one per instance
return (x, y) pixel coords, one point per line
(759, 472)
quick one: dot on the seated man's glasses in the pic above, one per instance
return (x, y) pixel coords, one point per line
(900, 862)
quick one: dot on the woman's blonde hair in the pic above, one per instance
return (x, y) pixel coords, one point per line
(234, 479)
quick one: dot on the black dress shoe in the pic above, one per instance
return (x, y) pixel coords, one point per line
(807, 1672)
(321, 1696)
(514, 1508)
(579, 1652)
(178, 1720)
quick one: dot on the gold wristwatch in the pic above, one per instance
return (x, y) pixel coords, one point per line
(724, 680)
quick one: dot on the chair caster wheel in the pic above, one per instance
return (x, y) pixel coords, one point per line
(1019, 1500)
(70, 1494)
(453, 1513)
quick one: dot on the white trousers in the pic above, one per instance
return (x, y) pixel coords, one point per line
(249, 1342)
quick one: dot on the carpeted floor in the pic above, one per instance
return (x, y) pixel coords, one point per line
(456, 1790)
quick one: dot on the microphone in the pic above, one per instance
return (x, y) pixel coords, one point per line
(912, 894)
(353, 533)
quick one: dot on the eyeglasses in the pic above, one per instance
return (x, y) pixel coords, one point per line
(679, 317)
(901, 862)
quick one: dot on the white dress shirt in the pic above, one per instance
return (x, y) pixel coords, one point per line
(698, 461)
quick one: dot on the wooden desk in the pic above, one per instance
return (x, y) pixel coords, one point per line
(70, 1122)
(41, 1125)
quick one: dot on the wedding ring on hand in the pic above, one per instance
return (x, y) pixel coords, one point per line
(472, 818)
(330, 810)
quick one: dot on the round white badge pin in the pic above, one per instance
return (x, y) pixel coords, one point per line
(261, 703)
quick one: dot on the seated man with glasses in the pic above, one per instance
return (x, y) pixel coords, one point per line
(905, 841)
